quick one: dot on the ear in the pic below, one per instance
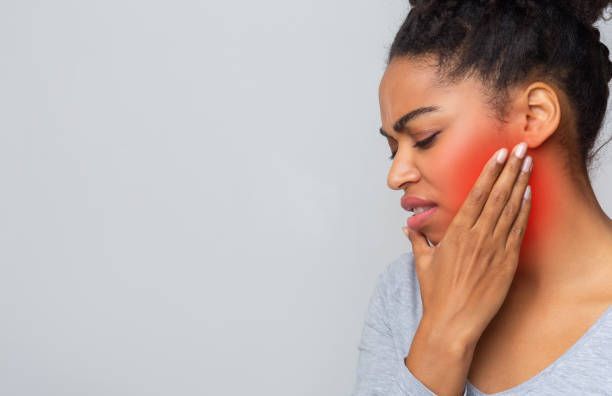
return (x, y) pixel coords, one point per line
(537, 113)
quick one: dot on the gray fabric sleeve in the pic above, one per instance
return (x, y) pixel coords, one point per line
(380, 371)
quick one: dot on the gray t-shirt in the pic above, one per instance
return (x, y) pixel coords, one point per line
(394, 312)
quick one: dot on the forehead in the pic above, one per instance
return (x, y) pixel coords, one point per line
(410, 83)
(417, 72)
(407, 84)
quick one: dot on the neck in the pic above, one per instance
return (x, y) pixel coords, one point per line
(567, 246)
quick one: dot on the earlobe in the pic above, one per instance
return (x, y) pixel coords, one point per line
(542, 114)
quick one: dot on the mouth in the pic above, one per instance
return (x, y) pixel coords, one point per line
(421, 216)
(420, 209)
(416, 204)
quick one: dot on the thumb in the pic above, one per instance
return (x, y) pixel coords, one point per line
(420, 246)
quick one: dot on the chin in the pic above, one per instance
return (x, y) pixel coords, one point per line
(435, 234)
(431, 239)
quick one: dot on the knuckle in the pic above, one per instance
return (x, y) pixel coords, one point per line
(478, 194)
(501, 255)
(498, 197)
(511, 209)
(481, 241)
(508, 261)
(518, 231)
(474, 230)
(512, 240)
(507, 268)
(511, 243)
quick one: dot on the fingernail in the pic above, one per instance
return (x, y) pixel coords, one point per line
(405, 230)
(527, 164)
(520, 150)
(501, 155)
(527, 194)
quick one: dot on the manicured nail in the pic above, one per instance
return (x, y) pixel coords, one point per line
(527, 164)
(405, 230)
(501, 155)
(520, 149)
(527, 194)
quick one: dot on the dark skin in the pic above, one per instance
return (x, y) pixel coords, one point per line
(557, 290)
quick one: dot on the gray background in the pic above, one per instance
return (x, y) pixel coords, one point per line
(194, 195)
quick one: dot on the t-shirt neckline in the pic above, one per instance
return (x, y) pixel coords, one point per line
(538, 377)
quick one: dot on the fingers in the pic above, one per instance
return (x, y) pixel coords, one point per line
(517, 232)
(420, 246)
(501, 191)
(472, 206)
(510, 211)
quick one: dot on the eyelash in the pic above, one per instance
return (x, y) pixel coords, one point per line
(421, 144)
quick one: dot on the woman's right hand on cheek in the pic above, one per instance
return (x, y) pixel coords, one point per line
(465, 278)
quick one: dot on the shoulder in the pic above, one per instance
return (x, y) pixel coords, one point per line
(399, 274)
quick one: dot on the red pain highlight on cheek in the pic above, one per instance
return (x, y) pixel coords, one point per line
(466, 169)
(466, 165)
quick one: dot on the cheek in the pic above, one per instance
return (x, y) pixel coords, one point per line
(464, 161)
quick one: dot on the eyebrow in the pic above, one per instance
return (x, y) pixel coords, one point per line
(400, 124)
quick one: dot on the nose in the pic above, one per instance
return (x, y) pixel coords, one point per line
(403, 170)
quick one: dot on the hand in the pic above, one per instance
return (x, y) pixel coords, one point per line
(465, 278)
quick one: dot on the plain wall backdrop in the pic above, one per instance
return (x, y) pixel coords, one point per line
(193, 194)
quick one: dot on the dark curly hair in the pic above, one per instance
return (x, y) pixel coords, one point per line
(509, 42)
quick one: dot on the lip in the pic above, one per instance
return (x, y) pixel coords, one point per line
(418, 220)
(411, 201)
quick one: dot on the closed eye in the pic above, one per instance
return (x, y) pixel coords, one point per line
(421, 144)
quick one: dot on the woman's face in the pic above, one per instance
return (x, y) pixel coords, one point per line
(444, 171)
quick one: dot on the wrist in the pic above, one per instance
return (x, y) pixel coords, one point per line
(454, 341)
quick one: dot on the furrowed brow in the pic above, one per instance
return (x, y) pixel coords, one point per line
(400, 124)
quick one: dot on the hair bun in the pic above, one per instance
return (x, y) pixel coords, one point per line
(588, 11)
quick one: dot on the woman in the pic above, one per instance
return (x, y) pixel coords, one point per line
(508, 287)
